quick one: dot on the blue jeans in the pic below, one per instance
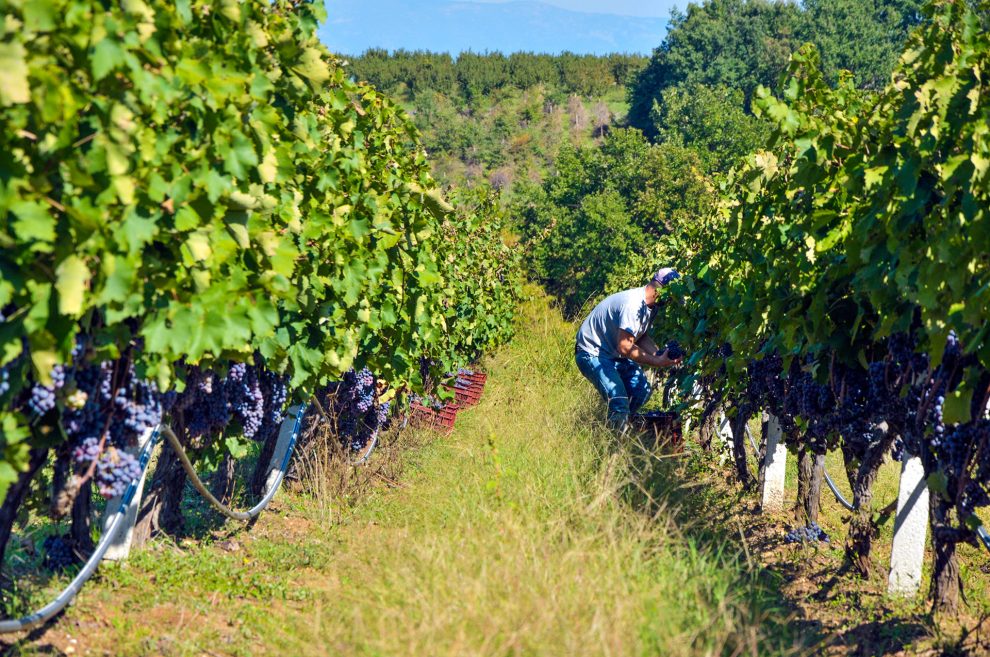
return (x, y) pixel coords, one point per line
(620, 382)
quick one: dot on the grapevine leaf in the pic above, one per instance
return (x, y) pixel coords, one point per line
(939, 484)
(72, 282)
(14, 87)
(34, 221)
(106, 56)
(957, 406)
(312, 66)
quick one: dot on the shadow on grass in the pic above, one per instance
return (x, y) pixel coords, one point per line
(675, 485)
(711, 516)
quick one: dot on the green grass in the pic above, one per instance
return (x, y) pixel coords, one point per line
(526, 532)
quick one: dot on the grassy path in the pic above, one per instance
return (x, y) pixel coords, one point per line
(514, 536)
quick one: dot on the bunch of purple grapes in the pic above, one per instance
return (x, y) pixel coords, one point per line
(359, 416)
(115, 470)
(251, 395)
(101, 405)
(674, 350)
(812, 533)
(247, 402)
(42, 398)
(203, 405)
(58, 553)
(275, 390)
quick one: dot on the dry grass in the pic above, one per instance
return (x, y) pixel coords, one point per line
(519, 536)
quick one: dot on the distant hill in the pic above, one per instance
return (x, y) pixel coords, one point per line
(526, 25)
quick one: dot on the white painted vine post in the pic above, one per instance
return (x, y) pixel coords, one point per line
(725, 436)
(121, 545)
(774, 468)
(910, 531)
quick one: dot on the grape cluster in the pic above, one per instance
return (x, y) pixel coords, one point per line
(108, 398)
(87, 451)
(42, 398)
(115, 470)
(251, 395)
(4, 381)
(203, 404)
(247, 402)
(275, 390)
(58, 553)
(359, 416)
(812, 533)
(674, 350)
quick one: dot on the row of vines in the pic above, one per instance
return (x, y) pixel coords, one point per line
(843, 283)
(203, 220)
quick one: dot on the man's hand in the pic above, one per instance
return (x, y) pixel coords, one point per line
(629, 349)
(667, 361)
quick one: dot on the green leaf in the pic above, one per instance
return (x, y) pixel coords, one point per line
(107, 55)
(34, 221)
(312, 66)
(39, 15)
(14, 87)
(239, 158)
(71, 283)
(199, 246)
(958, 406)
(939, 484)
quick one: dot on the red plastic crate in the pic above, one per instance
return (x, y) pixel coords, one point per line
(440, 419)
(467, 388)
(478, 377)
(465, 395)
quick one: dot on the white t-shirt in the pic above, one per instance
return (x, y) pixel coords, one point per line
(599, 333)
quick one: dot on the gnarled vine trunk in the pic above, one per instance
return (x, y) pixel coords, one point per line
(738, 426)
(811, 469)
(946, 583)
(82, 519)
(862, 529)
(223, 481)
(16, 495)
(161, 509)
(708, 427)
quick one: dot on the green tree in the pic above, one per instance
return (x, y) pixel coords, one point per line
(711, 120)
(606, 206)
(742, 44)
(864, 37)
(734, 43)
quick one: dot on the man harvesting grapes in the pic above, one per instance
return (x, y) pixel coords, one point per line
(613, 342)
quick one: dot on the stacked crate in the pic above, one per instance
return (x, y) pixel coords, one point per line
(467, 388)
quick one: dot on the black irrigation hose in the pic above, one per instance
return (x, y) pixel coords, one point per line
(835, 491)
(54, 607)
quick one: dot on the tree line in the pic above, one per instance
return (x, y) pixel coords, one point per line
(472, 74)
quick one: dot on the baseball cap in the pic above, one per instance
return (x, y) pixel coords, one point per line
(665, 276)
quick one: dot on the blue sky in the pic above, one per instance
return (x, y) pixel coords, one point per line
(582, 26)
(656, 9)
